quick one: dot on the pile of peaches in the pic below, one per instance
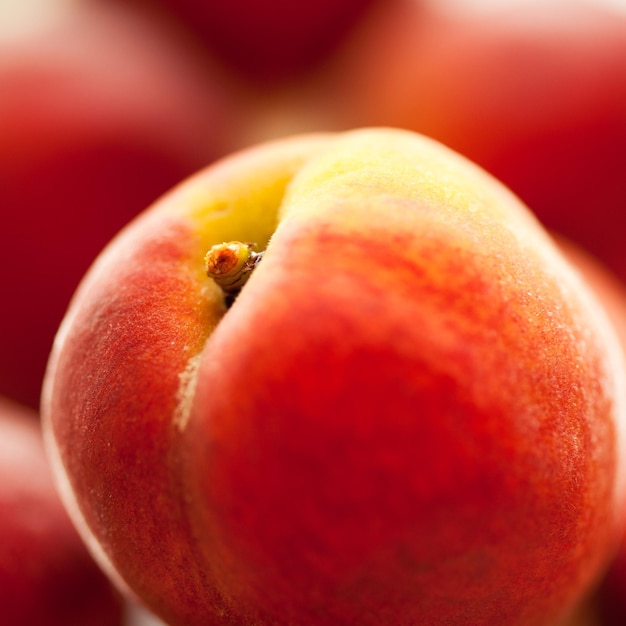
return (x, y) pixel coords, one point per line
(313, 313)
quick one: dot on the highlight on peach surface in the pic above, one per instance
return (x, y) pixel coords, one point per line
(47, 577)
(412, 411)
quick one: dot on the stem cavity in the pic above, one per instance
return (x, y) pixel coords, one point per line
(230, 264)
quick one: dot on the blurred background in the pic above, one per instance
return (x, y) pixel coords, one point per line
(107, 104)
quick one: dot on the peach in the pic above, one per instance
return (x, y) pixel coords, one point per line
(408, 409)
(611, 597)
(100, 113)
(46, 574)
(266, 42)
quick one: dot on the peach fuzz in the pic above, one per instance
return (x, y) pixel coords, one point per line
(413, 412)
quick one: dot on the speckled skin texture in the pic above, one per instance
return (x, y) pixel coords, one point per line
(412, 413)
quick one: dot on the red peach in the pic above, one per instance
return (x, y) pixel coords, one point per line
(413, 412)
(100, 113)
(611, 597)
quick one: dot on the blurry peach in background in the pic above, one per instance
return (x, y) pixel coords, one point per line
(46, 574)
(101, 111)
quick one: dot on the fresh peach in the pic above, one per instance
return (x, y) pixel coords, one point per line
(402, 405)
(100, 113)
(266, 42)
(46, 575)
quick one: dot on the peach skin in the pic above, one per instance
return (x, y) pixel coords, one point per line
(393, 401)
